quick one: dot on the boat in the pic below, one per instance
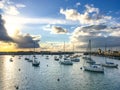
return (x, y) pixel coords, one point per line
(94, 68)
(66, 60)
(13, 55)
(30, 60)
(91, 61)
(26, 58)
(60, 56)
(75, 59)
(19, 57)
(35, 62)
(109, 64)
(11, 60)
(88, 58)
(47, 57)
(56, 58)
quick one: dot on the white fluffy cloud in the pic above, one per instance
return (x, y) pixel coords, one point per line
(20, 5)
(9, 8)
(99, 28)
(78, 4)
(99, 34)
(90, 16)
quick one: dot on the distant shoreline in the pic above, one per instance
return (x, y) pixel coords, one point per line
(31, 52)
(112, 56)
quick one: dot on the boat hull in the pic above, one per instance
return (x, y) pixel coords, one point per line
(110, 65)
(66, 63)
(36, 65)
(93, 69)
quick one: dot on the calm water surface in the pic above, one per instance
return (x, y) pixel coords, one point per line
(45, 77)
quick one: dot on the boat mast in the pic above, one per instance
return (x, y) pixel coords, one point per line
(64, 48)
(105, 52)
(73, 48)
(34, 46)
(34, 51)
(90, 48)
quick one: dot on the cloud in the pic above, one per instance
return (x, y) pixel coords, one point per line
(78, 4)
(26, 41)
(10, 8)
(1, 5)
(95, 27)
(99, 34)
(47, 27)
(91, 9)
(115, 31)
(29, 20)
(22, 41)
(58, 30)
(99, 28)
(90, 16)
(20, 5)
(3, 32)
(55, 29)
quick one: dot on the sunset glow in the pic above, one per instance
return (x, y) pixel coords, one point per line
(71, 21)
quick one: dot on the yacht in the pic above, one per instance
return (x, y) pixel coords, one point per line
(110, 64)
(94, 68)
(66, 62)
(75, 59)
(35, 63)
(56, 58)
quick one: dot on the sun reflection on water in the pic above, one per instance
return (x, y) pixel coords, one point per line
(8, 72)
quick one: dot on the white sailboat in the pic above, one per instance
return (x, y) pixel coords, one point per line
(74, 58)
(93, 67)
(109, 64)
(35, 62)
(66, 61)
(56, 58)
(26, 58)
(29, 60)
(89, 59)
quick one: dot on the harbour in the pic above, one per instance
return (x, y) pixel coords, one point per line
(51, 75)
(59, 45)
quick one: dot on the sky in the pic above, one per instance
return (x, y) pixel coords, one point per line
(47, 24)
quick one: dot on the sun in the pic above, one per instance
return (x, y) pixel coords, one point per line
(12, 24)
(11, 29)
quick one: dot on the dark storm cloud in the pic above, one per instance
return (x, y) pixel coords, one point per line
(3, 32)
(22, 41)
(25, 41)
